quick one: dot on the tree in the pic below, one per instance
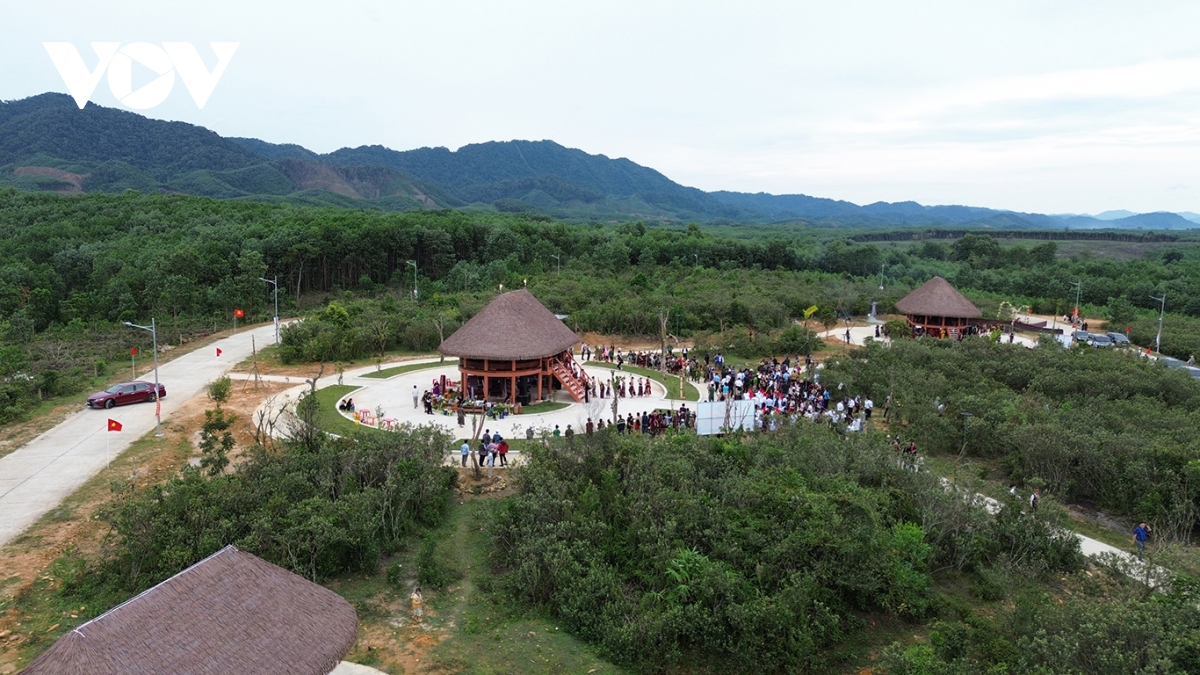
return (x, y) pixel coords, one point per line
(216, 441)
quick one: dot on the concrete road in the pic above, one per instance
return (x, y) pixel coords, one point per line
(37, 477)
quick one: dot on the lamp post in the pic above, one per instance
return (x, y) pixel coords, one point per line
(881, 268)
(697, 257)
(1078, 288)
(153, 328)
(414, 266)
(559, 260)
(1161, 309)
(275, 282)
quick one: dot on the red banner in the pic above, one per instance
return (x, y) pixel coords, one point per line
(114, 425)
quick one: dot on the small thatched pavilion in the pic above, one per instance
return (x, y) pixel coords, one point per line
(229, 613)
(937, 309)
(514, 350)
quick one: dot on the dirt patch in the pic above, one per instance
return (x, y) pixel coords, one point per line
(74, 181)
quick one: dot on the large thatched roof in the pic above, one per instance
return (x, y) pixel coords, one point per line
(513, 326)
(229, 613)
(937, 297)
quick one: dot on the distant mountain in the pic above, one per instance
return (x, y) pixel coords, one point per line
(543, 175)
(48, 144)
(820, 210)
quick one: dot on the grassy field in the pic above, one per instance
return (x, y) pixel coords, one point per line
(670, 382)
(389, 372)
(328, 417)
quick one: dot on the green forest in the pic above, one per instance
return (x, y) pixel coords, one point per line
(75, 266)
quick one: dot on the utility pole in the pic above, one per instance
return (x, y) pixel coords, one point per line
(275, 282)
(1161, 309)
(662, 334)
(882, 267)
(153, 328)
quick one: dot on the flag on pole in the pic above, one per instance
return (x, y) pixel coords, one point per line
(239, 313)
(114, 425)
(810, 311)
(218, 351)
(133, 351)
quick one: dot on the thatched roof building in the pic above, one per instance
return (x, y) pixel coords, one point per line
(515, 349)
(937, 309)
(513, 326)
(229, 613)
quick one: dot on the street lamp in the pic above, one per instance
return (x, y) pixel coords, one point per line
(157, 404)
(881, 268)
(275, 282)
(1078, 288)
(1161, 308)
(414, 265)
(697, 257)
(559, 263)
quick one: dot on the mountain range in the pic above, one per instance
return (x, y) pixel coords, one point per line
(48, 144)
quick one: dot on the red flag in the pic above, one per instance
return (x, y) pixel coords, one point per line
(218, 351)
(114, 425)
(1128, 328)
(133, 351)
(239, 313)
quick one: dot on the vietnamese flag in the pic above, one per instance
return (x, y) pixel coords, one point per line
(218, 351)
(133, 351)
(114, 425)
(239, 313)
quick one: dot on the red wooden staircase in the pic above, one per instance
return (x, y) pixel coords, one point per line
(569, 382)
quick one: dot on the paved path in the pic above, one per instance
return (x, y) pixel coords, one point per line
(37, 477)
(1092, 548)
(394, 395)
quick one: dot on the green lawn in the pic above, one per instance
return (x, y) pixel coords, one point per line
(671, 382)
(328, 417)
(389, 372)
(543, 407)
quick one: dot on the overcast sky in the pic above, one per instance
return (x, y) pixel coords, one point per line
(1043, 106)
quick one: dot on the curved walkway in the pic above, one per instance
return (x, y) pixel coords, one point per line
(394, 396)
(39, 475)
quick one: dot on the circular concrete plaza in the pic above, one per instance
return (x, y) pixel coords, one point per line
(395, 396)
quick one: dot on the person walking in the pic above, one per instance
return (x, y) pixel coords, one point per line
(416, 397)
(502, 448)
(1140, 534)
(466, 452)
(590, 428)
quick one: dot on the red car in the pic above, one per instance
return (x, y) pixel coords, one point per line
(126, 392)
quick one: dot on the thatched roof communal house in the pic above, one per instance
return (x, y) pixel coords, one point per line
(937, 309)
(229, 613)
(514, 350)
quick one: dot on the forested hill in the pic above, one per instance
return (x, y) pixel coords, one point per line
(48, 144)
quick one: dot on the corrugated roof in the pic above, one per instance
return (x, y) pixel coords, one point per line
(937, 297)
(229, 613)
(513, 326)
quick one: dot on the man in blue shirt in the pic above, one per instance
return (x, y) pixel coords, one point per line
(1140, 534)
(466, 452)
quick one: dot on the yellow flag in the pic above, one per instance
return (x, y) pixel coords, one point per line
(810, 311)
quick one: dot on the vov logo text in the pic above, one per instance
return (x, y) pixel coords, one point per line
(165, 61)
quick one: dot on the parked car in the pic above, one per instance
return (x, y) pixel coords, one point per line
(1100, 341)
(1119, 339)
(1171, 362)
(126, 392)
(1081, 336)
